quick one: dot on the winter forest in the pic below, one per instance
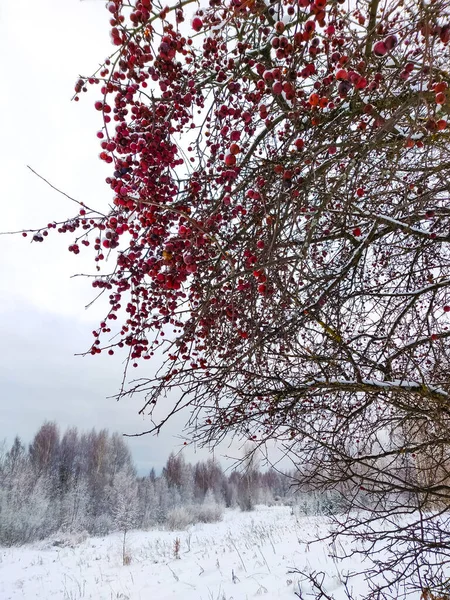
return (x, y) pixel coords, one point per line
(85, 483)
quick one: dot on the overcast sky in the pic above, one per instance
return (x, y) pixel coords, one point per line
(45, 45)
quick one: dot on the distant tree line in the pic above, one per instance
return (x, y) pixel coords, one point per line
(87, 482)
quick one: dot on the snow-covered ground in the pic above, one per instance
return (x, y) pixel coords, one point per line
(247, 555)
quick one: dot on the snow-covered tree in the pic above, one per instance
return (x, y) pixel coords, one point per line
(124, 499)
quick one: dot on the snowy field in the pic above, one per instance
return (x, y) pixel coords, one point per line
(247, 555)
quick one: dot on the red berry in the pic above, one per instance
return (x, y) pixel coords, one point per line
(391, 41)
(343, 88)
(197, 23)
(445, 34)
(310, 26)
(357, 232)
(361, 83)
(380, 49)
(342, 74)
(230, 160)
(446, 308)
(277, 87)
(440, 87)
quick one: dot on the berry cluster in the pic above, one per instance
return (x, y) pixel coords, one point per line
(250, 153)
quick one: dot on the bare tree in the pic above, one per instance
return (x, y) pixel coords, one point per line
(44, 448)
(125, 507)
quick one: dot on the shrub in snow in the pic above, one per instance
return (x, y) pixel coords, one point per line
(179, 518)
(68, 539)
(320, 503)
(210, 512)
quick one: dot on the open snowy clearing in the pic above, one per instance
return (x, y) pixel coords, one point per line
(247, 555)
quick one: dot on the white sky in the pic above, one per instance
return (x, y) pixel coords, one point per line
(45, 45)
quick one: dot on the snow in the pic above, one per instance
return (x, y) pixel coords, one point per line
(342, 384)
(247, 555)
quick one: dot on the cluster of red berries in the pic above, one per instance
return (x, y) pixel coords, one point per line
(193, 225)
